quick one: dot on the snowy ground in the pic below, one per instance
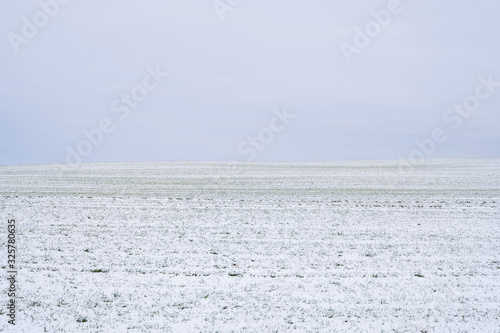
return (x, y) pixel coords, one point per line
(273, 247)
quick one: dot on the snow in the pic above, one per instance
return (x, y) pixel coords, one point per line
(310, 247)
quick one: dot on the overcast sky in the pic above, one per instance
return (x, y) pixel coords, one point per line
(233, 67)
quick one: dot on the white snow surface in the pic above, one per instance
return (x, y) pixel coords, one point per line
(267, 247)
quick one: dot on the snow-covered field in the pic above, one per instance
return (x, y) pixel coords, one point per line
(273, 247)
